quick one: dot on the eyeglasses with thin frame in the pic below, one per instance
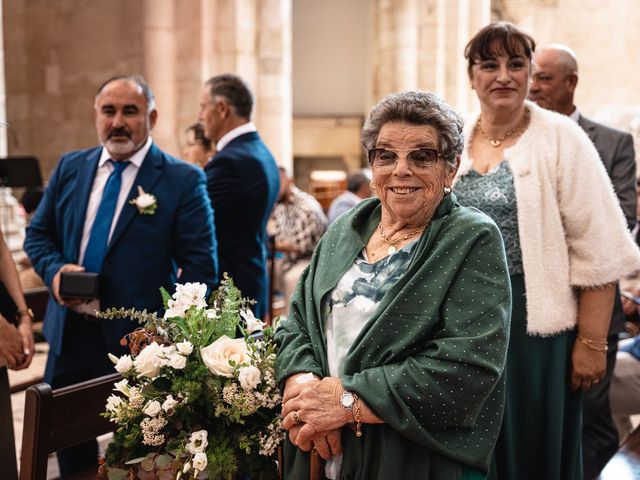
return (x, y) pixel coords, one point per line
(384, 160)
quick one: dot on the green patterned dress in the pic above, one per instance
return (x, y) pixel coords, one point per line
(540, 436)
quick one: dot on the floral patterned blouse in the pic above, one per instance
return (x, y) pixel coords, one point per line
(355, 299)
(493, 193)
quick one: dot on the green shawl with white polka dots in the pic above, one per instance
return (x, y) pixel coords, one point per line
(430, 362)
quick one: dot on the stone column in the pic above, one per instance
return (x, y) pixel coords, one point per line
(159, 34)
(252, 39)
(4, 126)
(420, 44)
(273, 89)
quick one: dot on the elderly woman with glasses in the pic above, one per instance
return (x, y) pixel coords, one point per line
(392, 358)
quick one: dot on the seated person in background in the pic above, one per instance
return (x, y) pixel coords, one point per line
(16, 342)
(29, 279)
(625, 382)
(358, 188)
(198, 150)
(12, 222)
(297, 223)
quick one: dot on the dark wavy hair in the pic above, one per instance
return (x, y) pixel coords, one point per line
(498, 38)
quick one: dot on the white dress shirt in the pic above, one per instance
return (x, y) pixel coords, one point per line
(575, 115)
(105, 168)
(235, 133)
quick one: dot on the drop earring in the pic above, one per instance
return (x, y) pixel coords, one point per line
(447, 190)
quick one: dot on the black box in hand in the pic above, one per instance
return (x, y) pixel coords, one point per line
(79, 285)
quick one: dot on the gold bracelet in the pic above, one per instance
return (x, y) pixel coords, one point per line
(24, 312)
(357, 416)
(594, 345)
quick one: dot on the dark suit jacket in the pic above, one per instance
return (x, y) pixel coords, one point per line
(617, 154)
(615, 148)
(243, 182)
(145, 250)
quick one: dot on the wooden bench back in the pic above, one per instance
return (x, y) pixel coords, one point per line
(8, 462)
(61, 418)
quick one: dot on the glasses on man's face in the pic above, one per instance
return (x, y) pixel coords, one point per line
(384, 160)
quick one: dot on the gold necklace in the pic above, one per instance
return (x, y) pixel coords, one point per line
(496, 142)
(392, 243)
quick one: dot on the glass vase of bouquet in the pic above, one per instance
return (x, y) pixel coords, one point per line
(195, 401)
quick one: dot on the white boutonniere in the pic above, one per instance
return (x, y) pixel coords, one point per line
(144, 202)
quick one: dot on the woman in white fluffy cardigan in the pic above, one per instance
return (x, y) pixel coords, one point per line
(538, 176)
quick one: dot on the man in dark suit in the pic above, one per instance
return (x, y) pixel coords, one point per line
(128, 212)
(555, 77)
(243, 183)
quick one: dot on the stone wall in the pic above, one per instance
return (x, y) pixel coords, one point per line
(58, 53)
(56, 56)
(604, 35)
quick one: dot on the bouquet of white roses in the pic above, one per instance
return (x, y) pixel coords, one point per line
(196, 401)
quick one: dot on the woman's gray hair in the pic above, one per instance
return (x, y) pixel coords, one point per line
(417, 108)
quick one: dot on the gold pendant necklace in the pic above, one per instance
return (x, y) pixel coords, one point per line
(496, 142)
(392, 243)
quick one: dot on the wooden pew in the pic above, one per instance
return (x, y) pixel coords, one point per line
(37, 299)
(625, 464)
(61, 418)
(7, 440)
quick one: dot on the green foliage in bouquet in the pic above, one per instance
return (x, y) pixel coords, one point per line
(195, 401)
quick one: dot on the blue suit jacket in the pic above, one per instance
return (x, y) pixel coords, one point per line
(145, 251)
(243, 182)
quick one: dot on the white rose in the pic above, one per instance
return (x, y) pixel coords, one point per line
(168, 350)
(197, 442)
(191, 294)
(175, 309)
(152, 408)
(216, 356)
(124, 364)
(249, 377)
(149, 361)
(169, 403)
(185, 347)
(200, 461)
(177, 361)
(114, 403)
(122, 386)
(145, 200)
(253, 324)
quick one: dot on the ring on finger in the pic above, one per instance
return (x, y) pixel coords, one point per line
(296, 417)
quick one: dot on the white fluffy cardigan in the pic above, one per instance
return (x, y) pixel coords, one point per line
(572, 231)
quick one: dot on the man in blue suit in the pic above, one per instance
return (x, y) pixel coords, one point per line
(243, 183)
(95, 217)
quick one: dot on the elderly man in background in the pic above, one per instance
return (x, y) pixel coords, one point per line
(358, 188)
(131, 214)
(297, 223)
(555, 77)
(242, 179)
